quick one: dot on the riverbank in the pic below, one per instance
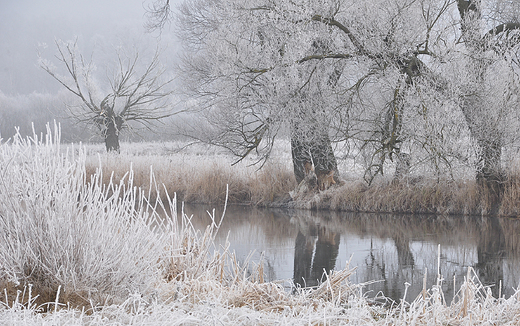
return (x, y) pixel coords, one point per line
(200, 174)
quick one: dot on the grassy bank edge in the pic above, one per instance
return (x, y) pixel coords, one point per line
(273, 185)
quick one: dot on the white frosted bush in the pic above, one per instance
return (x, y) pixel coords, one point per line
(61, 231)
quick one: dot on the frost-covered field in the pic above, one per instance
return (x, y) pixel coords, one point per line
(77, 251)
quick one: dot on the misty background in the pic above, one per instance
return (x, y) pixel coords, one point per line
(30, 27)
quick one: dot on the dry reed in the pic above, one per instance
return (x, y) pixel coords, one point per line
(201, 176)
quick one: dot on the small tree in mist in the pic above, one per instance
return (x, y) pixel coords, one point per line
(137, 93)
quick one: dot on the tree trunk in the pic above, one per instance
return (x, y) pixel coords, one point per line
(490, 177)
(112, 134)
(112, 139)
(323, 154)
(313, 147)
(487, 134)
(490, 168)
(300, 156)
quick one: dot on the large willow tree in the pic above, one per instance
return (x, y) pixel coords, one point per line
(489, 84)
(391, 79)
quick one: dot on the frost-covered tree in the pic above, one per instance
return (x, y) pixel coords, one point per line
(134, 92)
(255, 77)
(326, 71)
(388, 78)
(489, 85)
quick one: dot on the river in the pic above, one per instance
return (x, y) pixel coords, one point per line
(297, 246)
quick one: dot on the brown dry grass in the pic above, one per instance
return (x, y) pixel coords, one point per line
(203, 178)
(206, 183)
(44, 298)
(271, 184)
(426, 197)
(429, 196)
(510, 205)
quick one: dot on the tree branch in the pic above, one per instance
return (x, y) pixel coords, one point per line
(343, 28)
(325, 56)
(159, 14)
(503, 28)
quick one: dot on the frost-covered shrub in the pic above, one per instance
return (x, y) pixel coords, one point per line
(61, 233)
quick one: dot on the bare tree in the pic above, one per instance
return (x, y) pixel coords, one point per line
(135, 95)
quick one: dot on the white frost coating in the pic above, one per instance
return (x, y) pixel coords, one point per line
(59, 228)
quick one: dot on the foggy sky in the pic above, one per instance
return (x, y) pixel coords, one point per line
(29, 26)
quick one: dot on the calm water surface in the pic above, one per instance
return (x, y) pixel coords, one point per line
(391, 249)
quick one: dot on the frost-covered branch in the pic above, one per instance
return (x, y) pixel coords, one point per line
(159, 13)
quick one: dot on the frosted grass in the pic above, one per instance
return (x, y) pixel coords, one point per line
(98, 254)
(58, 229)
(263, 304)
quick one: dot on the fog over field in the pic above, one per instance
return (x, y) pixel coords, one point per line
(28, 27)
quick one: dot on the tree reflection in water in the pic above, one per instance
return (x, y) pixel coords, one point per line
(389, 248)
(315, 254)
(491, 253)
